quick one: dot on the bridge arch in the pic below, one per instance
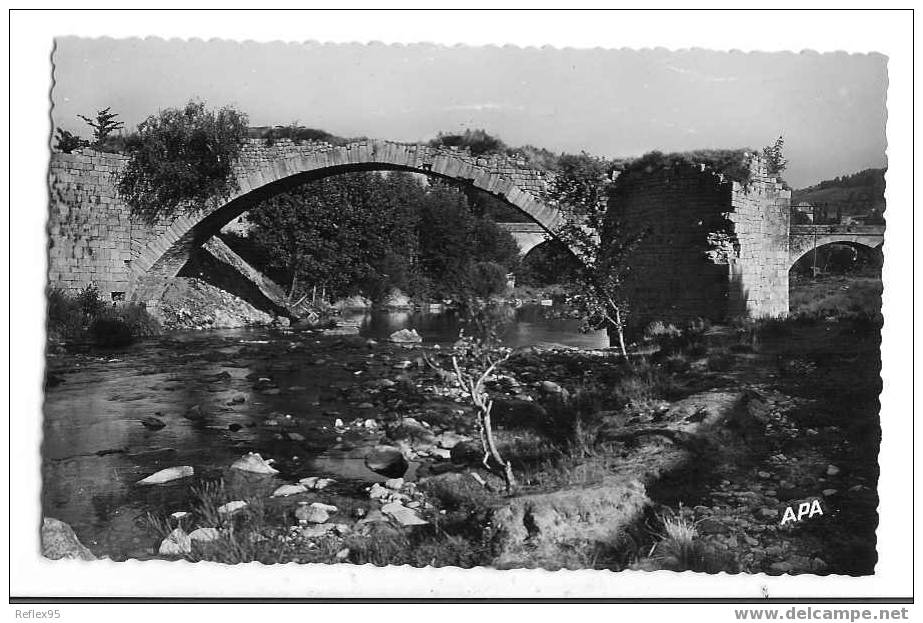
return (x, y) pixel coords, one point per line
(802, 242)
(263, 171)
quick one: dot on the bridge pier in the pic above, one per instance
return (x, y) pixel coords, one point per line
(710, 248)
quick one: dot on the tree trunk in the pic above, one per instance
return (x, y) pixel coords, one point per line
(620, 332)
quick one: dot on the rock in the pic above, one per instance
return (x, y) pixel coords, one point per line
(441, 453)
(152, 423)
(311, 514)
(764, 474)
(466, 452)
(409, 429)
(179, 515)
(394, 484)
(768, 513)
(330, 508)
(828, 492)
(60, 542)
(365, 405)
(177, 543)
(449, 440)
(281, 321)
(338, 423)
(387, 461)
(286, 490)
(231, 507)
(296, 436)
(254, 463)
(315, 531)
(832, 470)
(370, 424)
(550, 387)
(343, 554)
(167, 475)
(373, 516)
(405, 336)
(316, 482)
(377, 492)
(403, 515)
(205, 535)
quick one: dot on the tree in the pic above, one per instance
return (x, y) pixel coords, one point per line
(603, 246)
(775, 158)
(103, 125)
(68, 142)
(182, 159)
(345, 232)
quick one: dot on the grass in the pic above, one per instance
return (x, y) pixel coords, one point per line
(680, 548)
(844, 296)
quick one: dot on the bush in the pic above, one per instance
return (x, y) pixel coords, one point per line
(86, 316)
(182, 159)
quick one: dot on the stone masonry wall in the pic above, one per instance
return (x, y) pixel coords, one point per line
(709, 248)
(89, 227)
(761, 216)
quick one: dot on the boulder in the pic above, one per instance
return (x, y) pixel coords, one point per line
(387, 461)
(59, 541)
(405, 336)
(177, 543)
(167, 475)
(286, 490)
(403, 515)
(204, 535)
(254, 463)
(450, 439)
(311, 514)
(330, 508)
(394, 484)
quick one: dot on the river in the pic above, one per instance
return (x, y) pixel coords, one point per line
(273, 391)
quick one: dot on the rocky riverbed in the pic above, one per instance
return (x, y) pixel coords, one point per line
(317, 448)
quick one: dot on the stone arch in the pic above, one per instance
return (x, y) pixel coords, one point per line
(266, 170)
(803, 246)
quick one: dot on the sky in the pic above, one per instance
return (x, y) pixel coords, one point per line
(830, 108)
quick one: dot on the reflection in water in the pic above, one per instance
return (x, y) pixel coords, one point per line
(529, 326)
(95, 448)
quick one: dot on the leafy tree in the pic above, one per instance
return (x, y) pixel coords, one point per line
(775, 158)
(342, 232)
(103, 125)
(602, 245)
(182, 158)
(68, 142)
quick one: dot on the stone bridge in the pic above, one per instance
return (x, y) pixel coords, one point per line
(715, 249)
(804, 238)
(95, 238)
(527, 235)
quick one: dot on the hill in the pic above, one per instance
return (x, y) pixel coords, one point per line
(859, 194)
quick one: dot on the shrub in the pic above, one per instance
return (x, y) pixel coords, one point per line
(182, 159)
(67, 142)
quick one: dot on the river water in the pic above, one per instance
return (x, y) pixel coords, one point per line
(273, 391)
